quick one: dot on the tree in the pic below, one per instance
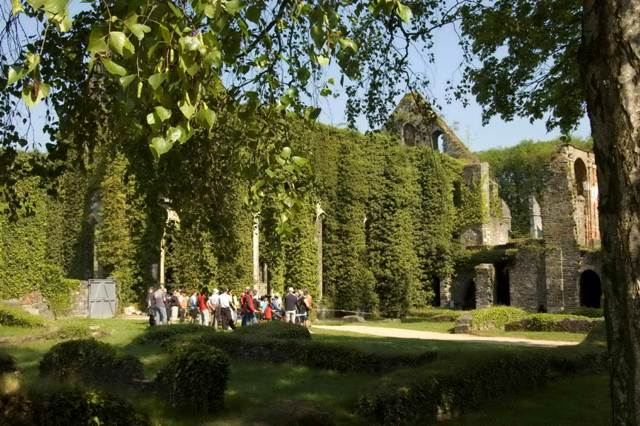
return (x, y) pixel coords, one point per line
(560, 58)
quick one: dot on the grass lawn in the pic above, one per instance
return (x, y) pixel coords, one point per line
(258, 391)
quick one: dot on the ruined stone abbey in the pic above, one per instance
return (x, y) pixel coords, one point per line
(558, 267)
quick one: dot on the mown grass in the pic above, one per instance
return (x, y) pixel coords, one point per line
(256, 389)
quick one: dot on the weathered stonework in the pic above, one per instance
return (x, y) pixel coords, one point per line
(528, 288)
(485, 278)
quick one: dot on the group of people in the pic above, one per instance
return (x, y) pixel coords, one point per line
(221, 309)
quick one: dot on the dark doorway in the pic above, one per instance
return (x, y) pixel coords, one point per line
(502, 294)
(469, 301)
(436, 291)
(590, 289)
(409, 134)
(437, 141)
(580, 172)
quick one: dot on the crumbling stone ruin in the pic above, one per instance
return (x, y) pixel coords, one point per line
(558, 267)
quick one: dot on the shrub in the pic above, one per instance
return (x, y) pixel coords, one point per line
(7, 363)
(162, 333)
(553, 322)
(58, 290)
(13, 315)
(434, 314)
(87, 360)
(195, 378)
(429, 396)
(495, 317)
(276, 330)
(73, 406)
(304, 352)
(71, 331)
(588, 312)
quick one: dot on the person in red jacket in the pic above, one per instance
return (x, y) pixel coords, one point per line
(248, 307)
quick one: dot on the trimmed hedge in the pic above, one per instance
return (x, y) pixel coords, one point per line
(88, 360)
(275, 330)
(195, 378)
(495, 317)
(553, 322)
(434, 314)
(587, 312)
(304, 352)
(162, 333)
(13, 315)
(433, 396)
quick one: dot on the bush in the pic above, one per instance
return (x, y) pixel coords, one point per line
(587, 312)
(58, 290)
(71, 331)
(434, 314)
(304, 352)
(162, 333)
(73, 406)
(87, 360)
(553, 322)
(195, 378)
(13, 315)
(276, 330)
(495, 317)
(447, 393)
(7, 363)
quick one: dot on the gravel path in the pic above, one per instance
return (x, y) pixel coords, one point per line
(432, 335)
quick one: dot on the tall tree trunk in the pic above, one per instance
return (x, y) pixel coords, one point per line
(610, 63)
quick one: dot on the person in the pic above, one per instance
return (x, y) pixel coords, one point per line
(214, 308)
(308, 302)
(202, 307)
(160, 308)
(267, 311)
(182, 302)
(194, 312)
(174, 303)
(248, 307)
(234, 306)
(151, 307)
(264, 302)
(224, 304)
(302, 308)
(290, 302)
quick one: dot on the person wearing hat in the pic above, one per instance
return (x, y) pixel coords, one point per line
(214, 307)
(290, 303)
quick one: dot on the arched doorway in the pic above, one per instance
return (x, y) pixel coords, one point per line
(409, 134)
(502, 286)
(437, 141)
(436, 292)
(580, 173)
(469, 301)
(590, 289)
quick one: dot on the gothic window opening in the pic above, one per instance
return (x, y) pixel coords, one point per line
(502, 295)
(437, 141)
(590, 289)
(580, 173)
(409, 134)
(469, 301)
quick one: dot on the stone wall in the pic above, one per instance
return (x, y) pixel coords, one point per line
(484, 278)
(527, 287)
(80, 300)
(32, 302)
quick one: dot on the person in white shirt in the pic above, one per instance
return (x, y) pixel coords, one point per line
(214, 307)
(224, 304)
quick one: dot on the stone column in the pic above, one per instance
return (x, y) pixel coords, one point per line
(535, 218)
(485, 276)
(319, 216)
(445, 293)
(162, 254)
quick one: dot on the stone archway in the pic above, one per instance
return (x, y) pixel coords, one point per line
(469, 301)
(437, 140)
(580, 173)
(590, 288)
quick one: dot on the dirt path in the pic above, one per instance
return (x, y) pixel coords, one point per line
(432, 335)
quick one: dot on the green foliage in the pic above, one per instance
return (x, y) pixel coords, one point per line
(13, 315)
(89, 361)
(495, 317)
(195, 378)
(58, 291)
(553, 322)
(300, 268)
(587, 312)
(62, 406)
(191, 260)
(520, 171)
(276, 330)
(464, 387)
(434, 314)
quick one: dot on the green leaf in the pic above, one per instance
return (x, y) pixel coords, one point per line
(253, 14)
(232, 6)
(33, 93)
(155, 80)
(97, 42)
(187, 109)
(404, 12)
(117, 41)
(114, 68)
(190, 43)
(160, 145)
(127, 80)
(174, 134)
(151, 119)
(33, 60)
(14, 75)
(207, 117)
(322, 60)
(174, 9)
(163, 113)
(300, 161)
(312, 113)
(347, 43)
(286, 152)
(318, 35)
(139, 30)
(16, 7)
(209, 11)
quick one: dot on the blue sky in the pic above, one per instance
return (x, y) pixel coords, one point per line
(466, 122)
